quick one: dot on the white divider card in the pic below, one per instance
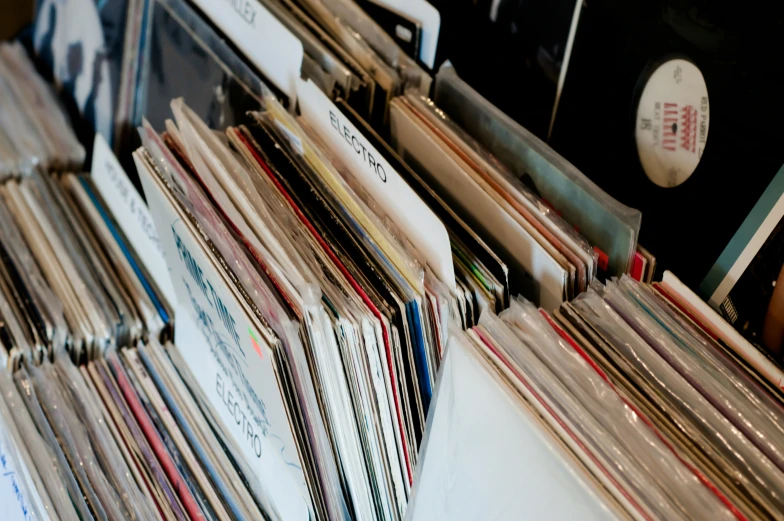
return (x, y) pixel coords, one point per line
(265, 41)
(393, 195)
(487, 455)
(423, 12)
(131, 214)
(727, 334)
(228, 357)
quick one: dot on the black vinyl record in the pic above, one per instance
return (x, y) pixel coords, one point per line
(510, 51)
(675, 107)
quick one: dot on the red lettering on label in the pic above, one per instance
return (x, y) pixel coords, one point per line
(688, 128)
(670, 127)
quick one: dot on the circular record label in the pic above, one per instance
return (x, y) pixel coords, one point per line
(672, 122)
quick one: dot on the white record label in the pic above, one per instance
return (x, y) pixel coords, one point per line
(672, 123)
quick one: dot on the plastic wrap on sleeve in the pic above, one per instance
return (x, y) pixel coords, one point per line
(605, 222)
(693, 415)
(653, 463)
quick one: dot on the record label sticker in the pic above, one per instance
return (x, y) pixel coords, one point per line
(672, 123)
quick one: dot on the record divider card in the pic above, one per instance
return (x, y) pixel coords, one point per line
(398, 200)
(264, 40)
(226, 353)
(131, 213)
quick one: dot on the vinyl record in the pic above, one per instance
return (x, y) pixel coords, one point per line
(674, 107)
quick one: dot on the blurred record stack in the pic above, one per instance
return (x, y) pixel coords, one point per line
(34, 130)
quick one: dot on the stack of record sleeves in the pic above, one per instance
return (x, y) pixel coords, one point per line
(633, 401)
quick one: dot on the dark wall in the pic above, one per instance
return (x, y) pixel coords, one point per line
(14, 14)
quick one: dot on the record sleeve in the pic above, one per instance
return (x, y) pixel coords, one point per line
(606, 223)
(83, 44)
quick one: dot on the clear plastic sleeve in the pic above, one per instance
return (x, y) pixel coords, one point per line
(245, 195)
(752, 410)
(612, 464)
(74, 437)
(671, 487)
(349, 307)
(413, 75)
(340, 415)
(7, 157)
(289, 230)
(697, 419)
(354, 42)
(59, 461)
(190, 196)
(209, 169)
(63, 242)
(326, 458)
(16, 466)
(21, 344)
(40, 454)
(231, 450)
(34, 126)
(102, 441)
(605, 222)
(486, 455)
(45, 245)
(363, 24)
(336, 297)
(55, 330)
(391, 234)
(195, 425)
(444, 298)
(28, 151)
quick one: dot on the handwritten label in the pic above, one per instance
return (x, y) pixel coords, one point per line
(215, 335)
(15, 504)
(246, 10)
(393, 195)
(131, 214)
(266, 42)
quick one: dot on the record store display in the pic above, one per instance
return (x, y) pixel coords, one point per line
(651, 412)
(307, 260)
